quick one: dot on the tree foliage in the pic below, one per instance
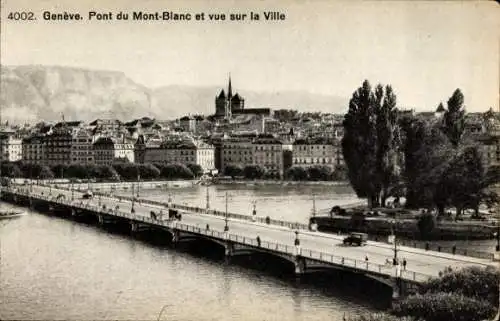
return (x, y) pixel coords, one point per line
(297, 173)
(370, 142)
(474, 282)
(454, 118)
(254, 172)
(233, 171)
(444, 307)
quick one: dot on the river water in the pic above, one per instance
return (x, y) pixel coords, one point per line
(54, 268)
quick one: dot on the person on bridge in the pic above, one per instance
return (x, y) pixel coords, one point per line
(366, 258)
(258, 241)
(404, 264)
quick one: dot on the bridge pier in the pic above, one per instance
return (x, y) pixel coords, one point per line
(175, 236)
(300, 265)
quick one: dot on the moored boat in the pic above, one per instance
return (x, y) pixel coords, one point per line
(5, 214)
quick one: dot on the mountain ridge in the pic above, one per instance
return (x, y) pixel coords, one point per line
(31, 93)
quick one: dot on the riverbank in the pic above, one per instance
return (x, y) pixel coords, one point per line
(408, 228)
(178, 183)
(279, 182)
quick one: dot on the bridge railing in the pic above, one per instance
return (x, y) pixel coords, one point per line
(447, 249)
(364, 265)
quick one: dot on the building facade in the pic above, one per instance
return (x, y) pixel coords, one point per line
(33, 149)
(82, 149)
(11, 148)
(268, 153)
(237, 151)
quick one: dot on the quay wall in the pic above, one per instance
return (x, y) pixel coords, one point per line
(444, 230)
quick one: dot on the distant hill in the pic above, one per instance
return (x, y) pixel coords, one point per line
(34, 93)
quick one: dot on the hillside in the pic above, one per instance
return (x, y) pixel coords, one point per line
(33, 93)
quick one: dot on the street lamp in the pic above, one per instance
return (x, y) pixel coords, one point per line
(133, 199)
(226, 227)
(297, 241)
(314, 206)
(254, 211)
(395, 259)
(208, 199)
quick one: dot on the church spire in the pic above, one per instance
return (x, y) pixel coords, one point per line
(229, 89)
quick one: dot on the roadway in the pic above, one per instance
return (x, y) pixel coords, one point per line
(418, 260)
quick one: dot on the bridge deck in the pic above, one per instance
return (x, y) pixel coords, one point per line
(323, 247)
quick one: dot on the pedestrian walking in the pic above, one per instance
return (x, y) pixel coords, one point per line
(366, 258)
(404, 264)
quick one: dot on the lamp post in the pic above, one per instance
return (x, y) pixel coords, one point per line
(133, 198)
(314, 206)
(72, 191)
(395, 259)
(208, 199)
(226, 227)
(297, 240)
(254, 211)
(138, 183)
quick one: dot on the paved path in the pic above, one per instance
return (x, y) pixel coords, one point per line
(418, 260)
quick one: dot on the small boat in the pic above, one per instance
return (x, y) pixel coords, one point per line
(5, 214)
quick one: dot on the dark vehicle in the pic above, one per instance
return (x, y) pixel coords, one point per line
(174, 214)
(358, 239)
(87, 195)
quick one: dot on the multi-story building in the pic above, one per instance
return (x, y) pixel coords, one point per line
(11, 148)
(106, 125)
(237, 150)
(318, 151)
(268, 153)
(490, 148)
(182, 150)
(82, 150)
(109, 150)
(57, 147)
(190, 123)
(314, 151)
(33, 149)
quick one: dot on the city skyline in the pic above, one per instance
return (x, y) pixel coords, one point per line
(424, 50)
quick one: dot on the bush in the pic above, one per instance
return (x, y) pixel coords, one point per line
(233, 171)
(254, 172)
(426, 223)
(319, 173)
(474, 282)
(444, 307)
(195, 169)
(297, 173)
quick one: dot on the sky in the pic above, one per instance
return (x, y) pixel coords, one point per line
(425, 50)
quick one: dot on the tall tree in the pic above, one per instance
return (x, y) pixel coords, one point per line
(454, 118)
(359, 144)
(388, 139)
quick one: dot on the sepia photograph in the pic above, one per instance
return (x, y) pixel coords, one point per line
(252, 160)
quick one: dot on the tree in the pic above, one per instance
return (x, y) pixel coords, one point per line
(370, 141)
(426, 223)
(475, 282)
(233, 171)
(454, 118)
(388, 139)
(108, 172)
(254, 171)
(45, 173)
(427, 153)
(464, 180)
(444, 307)
(196, 169)
(297, 173)
(147, 171)
(319, 173)
(11, 170)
